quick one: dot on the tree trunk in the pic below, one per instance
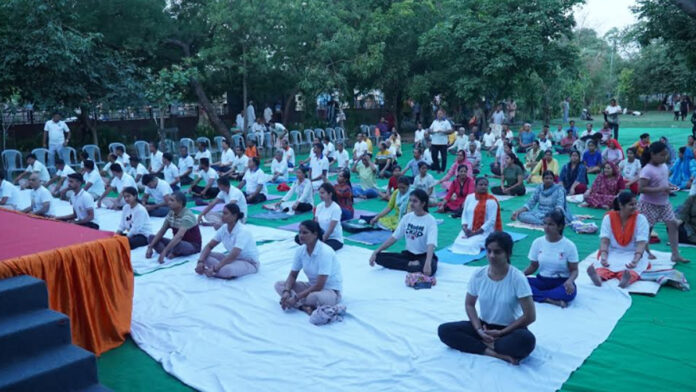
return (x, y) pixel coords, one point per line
(88, 124)
(288, 105)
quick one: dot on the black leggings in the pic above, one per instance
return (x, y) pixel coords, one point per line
(519, 191)
(137, 241)
(259, 198)
(91, 225)
(334, 244)
(463, 337)
(211, 193)
(400, 261)
(615, 127)
(303, 207)
(439, 151)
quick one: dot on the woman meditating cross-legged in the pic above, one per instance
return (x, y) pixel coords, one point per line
(319, 263)
(242, 257)
(135, 221)
(302, 190)
(480, 217)
(623, 239)
(546, 198)
(420, 231)
(459, 189)
(605, 188)
(547, 163)
(556, 259)
(328, 215)
(512, 179)
(399, 203)
(574, 175)
(507, 308)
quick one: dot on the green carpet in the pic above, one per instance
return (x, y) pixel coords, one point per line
(652, 347)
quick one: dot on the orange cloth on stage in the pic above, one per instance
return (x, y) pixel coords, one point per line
(88, 274)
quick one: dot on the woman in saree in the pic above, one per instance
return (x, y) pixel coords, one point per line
(548, 163)
(605, 188)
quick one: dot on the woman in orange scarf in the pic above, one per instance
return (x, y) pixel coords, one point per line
(624, 237)
(480, 217)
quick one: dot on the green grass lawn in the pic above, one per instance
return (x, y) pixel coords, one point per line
(653, 347)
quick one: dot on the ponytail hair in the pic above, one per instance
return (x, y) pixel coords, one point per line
(313, 227)
(623, 198)
(233, 208)
(327, 187)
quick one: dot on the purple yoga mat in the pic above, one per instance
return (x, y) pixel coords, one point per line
(216, 208)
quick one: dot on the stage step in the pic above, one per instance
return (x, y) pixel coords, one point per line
(21, 294)
(25, 334)
(36, 353)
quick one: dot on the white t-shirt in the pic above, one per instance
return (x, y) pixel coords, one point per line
(56, 132)
(39, 197)
(160, 190)
(289, 155)
(81, 203)
(186, 164)
(202, 154)
(553, 257)
(67, 170)
(40, 169)
(93, 177)
(499, 300)
(359, 148)
(303, 190)
(258, 128)
(140, 170)
(227, 156)
(419, 135)
(171, 172)
(235, 195)
(239, 238)
(427, 156)
(156, 161)
(329, 150)
(641, 233)
(9, 191)
(325, 215)
(317, 166)
(425, 183)
(613, 113)
(253, 180)
(321, 262)
(419, 231)
(123, 160)
(280, 167)
(125, 181)
(267, 114)
(438, 129)
(342, 158)
(207, 175)
(135, 221)
(240, 164)
(630, 170)
(488, 139)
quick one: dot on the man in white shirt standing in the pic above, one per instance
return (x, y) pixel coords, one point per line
(611, 114)
(155, 159)
(56, 136)
(267, 114)
(497, 119)
(82, 203)
(33, 166)
(250, 114)
(439, 130)
(41, 199)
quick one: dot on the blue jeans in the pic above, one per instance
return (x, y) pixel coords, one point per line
(54, 149)
(550, 288)
(369, 193)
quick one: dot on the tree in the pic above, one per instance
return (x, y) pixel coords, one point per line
(669, 21)
(165, 88)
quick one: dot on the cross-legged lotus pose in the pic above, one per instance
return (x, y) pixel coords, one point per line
(242, 257)
(135, 221)
(546, 198)
(623, 240)
(556, 259)
(319, 263)
(506, 309)
(302, 190)
(420, 230)
(605, 188)
(398, 202)
(480, 217)
(187, 234)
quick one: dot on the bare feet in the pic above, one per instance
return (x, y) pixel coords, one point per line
(592, 273)
(625, 280)
(583, 204)
(650, 255)
(307, 309)
(680, 259)
(562, 304)
(505, 358)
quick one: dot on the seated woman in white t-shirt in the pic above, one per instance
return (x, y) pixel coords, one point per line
(420, 231)
(624, 238)
(319, 263)
(279, 168)
(135, 221)
(556, 259)
(506, 308)
(242, 257)
(228, 194)
(254, 183)
(328, 215)
(302, 190)
(480, 217)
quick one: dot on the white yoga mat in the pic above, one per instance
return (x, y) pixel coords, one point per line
(662, 262)
(217, 335)
(527, 226)
(576, 199)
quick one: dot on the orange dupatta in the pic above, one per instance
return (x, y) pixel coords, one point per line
(480, 212)
(622, 235)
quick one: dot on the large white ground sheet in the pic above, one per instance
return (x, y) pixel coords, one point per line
(218, 335)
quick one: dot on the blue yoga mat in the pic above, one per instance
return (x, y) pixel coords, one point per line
(271, 215)
(372, 237)
(446, 256)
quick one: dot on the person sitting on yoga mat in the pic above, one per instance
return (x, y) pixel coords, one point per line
(94, 184)
(187, 234)
(556, 259)
(426, 182)
(687, 221)
(302, 190)
(170, 171)
(367, 174)
(506, 309)
(279, 168)
(58, 185)
(160, 192)
(328, 215)
(242, 257)
(459, 189)
(135, 221)
(623, 240)
(604, 188)
(480, 217)
(574, 175)
(319, 263)
(120, 181)
(397, 203)
(9, 193)
(208, 175)
(239, 166)
(228, 194)
(41, 200)
(630, 170)
(548, 163)
(454, 170)
(512, 179)
(344, 194)
(254, 183)
(82, 204)
(546, 198)
(137, 170)
(420, 231)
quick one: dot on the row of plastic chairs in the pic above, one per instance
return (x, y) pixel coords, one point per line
(314, 135)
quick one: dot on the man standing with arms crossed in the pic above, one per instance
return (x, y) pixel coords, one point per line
(439, 130)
